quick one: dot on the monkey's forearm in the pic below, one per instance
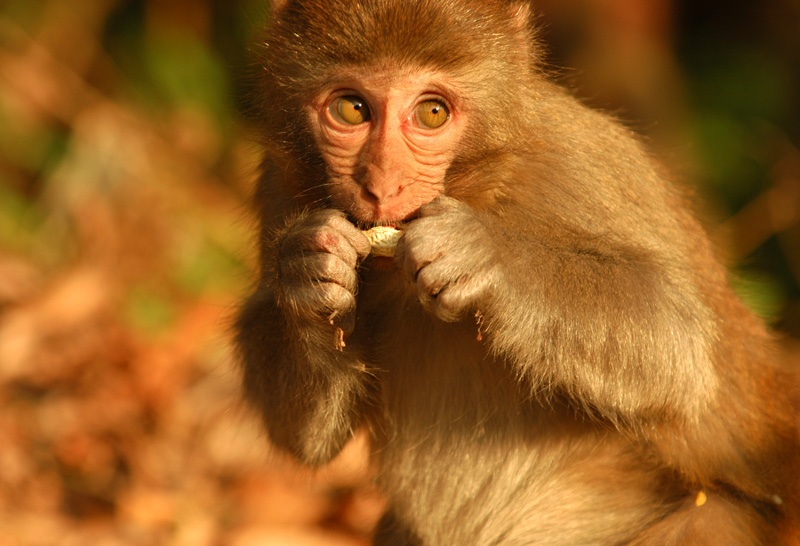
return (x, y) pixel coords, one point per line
(614, 321)
(623, 334)
(308, 392)
(631, 341)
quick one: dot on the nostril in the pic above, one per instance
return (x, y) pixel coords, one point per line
(382, 191)
(369, 196)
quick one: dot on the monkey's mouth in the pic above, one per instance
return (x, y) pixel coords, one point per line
(398, 224)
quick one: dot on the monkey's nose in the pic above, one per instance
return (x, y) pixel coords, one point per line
(381, 185)
(380, 195)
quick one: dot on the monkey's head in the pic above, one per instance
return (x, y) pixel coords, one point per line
(381, 105)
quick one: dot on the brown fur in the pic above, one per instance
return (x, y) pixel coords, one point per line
(616, 375)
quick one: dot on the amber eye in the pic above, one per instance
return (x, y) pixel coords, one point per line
(432, 114)
(351, 110)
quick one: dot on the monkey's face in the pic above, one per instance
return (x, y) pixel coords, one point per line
(387, 140)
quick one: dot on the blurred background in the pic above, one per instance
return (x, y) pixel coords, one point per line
(125, 242)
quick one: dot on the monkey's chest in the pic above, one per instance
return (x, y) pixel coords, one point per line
(433, 374)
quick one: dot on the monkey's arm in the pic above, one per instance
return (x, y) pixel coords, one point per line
(307, 392)
(631, 331)
(609, 297)
(307, 386)
(612, 325)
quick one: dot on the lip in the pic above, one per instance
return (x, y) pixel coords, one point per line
(398, 223)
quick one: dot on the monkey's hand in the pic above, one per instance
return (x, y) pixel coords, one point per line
(448, 253)
(317, 262)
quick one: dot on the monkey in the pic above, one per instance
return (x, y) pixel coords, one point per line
(554, 355)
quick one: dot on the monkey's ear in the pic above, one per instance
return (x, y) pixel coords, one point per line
(521, 14)
(522, 20)
(276, 6)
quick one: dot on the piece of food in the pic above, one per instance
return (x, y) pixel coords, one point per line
(383, 240)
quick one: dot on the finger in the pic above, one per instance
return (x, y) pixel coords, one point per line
(327, 231)
(456, 299)
(354, 236)
(438, 206)
(322, 239)
(431, 279)
(319, 267)
(414, 253)
(400, 253)
(337, 221)
(321, 300)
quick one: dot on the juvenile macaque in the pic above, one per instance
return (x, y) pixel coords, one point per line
(553, 355)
